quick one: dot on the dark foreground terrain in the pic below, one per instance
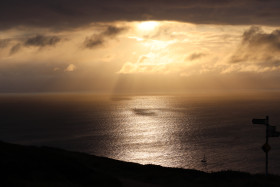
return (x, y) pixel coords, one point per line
(44, 166)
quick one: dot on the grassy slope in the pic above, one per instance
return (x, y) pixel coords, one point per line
(44, 166)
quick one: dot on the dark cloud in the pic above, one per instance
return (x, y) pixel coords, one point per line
(112, 31)
(15, 48)
(42, 41)
(195, 56)
(92, 42)
(259, 47)
(61, 14)
(255, 37)
(99, 39)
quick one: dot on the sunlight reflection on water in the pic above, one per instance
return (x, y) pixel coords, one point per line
(150, 128)
(173, 131)
(177, 133)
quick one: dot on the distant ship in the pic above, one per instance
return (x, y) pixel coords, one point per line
(204, 159)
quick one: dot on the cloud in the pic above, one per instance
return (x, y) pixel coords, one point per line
(15, 48)
(60, 14)
(70, 67)
(42, 41)
(258, 48)
(112, 31)
(256, 37)
(99, 39)
(93, 42)
(39, 40)
(195, 56)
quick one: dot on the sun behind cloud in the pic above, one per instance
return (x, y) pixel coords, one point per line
(147, 25)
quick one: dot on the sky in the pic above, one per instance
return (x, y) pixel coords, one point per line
(131, 46)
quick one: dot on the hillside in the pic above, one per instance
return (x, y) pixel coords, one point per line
(45, 166)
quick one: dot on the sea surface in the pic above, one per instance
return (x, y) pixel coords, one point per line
(166, 130)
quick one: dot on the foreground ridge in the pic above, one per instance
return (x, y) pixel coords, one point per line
(45, 166)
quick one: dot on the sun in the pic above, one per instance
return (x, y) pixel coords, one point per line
(147, 25)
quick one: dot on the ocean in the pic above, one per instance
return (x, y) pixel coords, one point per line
(166, 130)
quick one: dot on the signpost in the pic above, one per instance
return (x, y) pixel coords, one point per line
(270, 132)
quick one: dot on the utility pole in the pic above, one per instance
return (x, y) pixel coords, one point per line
(270, 132)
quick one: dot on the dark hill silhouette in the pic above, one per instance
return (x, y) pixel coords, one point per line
(44, 166)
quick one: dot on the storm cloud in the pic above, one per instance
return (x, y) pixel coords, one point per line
(61, 14)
